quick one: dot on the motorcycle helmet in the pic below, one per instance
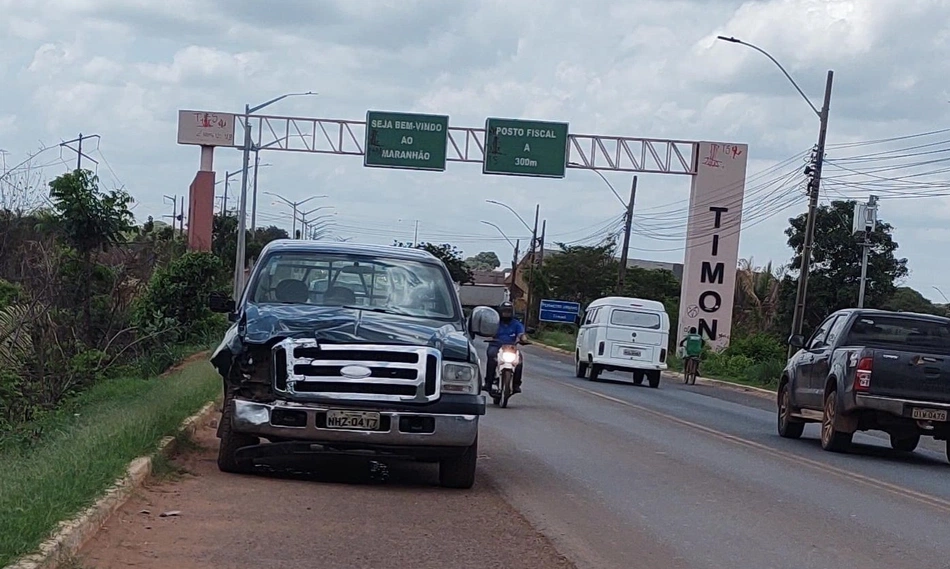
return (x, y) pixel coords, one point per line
(506, 311)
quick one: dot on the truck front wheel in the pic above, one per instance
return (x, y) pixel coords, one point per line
(230, 443)
(459, 471)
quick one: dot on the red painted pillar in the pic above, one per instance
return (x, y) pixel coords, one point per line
(201, 212)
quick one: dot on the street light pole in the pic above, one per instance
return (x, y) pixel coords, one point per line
(242, 214)
(294, 205)
(798, 317)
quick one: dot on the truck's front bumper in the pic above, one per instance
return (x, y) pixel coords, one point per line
(304, 422)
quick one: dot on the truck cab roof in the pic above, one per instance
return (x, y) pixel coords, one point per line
(388, 251)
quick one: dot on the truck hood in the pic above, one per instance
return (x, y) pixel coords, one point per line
(263, 324)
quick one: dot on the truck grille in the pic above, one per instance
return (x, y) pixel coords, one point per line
(406, 374)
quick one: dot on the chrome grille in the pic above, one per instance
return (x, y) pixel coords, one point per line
(306, 369)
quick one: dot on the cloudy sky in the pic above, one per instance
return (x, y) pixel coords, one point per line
(644, 68)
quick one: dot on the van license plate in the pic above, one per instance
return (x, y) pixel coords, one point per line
(353, 420)
(632, 353)
(929, 415)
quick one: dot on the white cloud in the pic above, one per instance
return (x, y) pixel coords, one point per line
(651, 68)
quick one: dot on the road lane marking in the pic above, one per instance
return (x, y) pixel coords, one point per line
(928, 499)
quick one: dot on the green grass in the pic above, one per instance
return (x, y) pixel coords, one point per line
(81, 450)
(556, 338)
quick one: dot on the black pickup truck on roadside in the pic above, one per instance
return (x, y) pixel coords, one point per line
(867, 370)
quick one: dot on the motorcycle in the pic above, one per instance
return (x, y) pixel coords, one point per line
(507, 361)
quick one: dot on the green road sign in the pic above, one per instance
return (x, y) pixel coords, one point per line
(525, 148)
(403, 140)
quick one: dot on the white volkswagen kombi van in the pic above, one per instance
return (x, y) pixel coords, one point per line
(623, 334)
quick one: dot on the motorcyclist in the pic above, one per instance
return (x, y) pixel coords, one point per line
(510, 331)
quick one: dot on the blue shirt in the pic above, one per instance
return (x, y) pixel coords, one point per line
(508, 333)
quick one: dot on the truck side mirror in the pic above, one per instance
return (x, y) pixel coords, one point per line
(797, 341)
(484, 322)
(221, 303)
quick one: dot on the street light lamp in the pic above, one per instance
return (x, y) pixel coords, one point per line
(798, 317)
(294, 205)
(242, 216)
(514, 258)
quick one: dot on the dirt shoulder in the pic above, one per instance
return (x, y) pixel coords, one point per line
(327, 514)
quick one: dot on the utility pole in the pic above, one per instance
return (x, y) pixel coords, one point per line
(532, 253)
(239, 260)
(798, 317)
(865, 221)
(544, 228)
(514, 271)
(181, 216)
(78, 149)
(628, 225)
(257, 163)
(224, 203)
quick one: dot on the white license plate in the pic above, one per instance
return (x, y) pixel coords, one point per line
(632, 353)
(929, 415)
(353, 420)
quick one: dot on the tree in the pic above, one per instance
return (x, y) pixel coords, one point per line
(909, 300)
(578, 273)
(835, 269)
(450, 255)
(484, 261)
(89, 221)
(756, 299)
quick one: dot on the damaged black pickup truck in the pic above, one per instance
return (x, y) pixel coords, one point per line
(351, 349)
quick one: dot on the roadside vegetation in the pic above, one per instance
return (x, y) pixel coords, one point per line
(89, 443)
(93, 309)
(764, 298)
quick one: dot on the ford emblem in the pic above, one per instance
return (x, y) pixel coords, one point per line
(356, 372)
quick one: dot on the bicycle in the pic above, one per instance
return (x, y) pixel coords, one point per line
(690, 370)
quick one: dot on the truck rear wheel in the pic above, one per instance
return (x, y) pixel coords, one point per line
(459, 471)
(831, 438)
(653, 377)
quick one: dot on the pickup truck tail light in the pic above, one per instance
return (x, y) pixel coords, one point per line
(862, 375)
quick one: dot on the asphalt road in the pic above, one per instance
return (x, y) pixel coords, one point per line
(573, 473)
(624, 476)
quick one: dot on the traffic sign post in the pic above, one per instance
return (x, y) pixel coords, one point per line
(525, 148)
(559, 311)
(404, 140)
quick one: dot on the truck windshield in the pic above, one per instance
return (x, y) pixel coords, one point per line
(901, 332)
(397, 286)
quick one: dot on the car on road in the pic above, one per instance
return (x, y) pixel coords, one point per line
(867, 370)
(351, 349)
(623, 334)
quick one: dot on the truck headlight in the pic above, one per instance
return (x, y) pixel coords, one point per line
(458, 377)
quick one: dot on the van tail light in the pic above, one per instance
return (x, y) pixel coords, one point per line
(662, 354)
(862, 375)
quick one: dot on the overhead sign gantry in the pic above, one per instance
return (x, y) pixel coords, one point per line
(517, 147)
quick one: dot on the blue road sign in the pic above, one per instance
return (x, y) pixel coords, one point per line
(559, 311)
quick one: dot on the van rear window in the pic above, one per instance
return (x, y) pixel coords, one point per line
(901, 332)
(635, 319)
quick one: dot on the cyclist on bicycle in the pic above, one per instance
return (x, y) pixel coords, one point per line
(694, 343)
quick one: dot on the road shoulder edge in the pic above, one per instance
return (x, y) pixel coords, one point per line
(721, 383)
(73, 534)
